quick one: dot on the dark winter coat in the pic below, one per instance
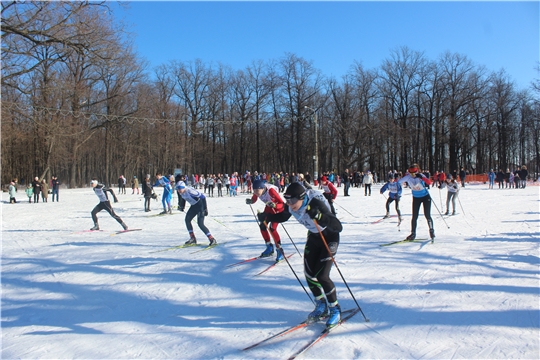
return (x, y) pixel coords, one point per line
(523, 173)
(147, 189)
(36, 186)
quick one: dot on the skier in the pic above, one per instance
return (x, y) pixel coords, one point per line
(417, 182)
(197, 202)
(310, 208)
(453, 190)
(268, 194)
(394, 194)
(166, 199)
(104, 204)
(330, 192)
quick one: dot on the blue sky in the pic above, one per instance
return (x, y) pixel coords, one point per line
(333, 35)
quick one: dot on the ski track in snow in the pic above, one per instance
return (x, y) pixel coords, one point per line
(474, 293)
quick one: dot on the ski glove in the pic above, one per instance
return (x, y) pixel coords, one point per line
(314, 213)
(419, 176)
(205, 212)
(249, 201)
(270, 204)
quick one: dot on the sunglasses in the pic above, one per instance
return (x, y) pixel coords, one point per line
(294, 200)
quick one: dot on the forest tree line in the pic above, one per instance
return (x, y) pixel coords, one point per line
(78, 103)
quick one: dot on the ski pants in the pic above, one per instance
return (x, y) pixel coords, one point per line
(426, 201)
(166, 200)
(197, 210)
(451, 197)
(265, 232)
(389, 201)
(318, 263)
(105, 205)
(330, 200)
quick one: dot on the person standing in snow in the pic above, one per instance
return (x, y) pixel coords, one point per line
(12, 192)
(312, 210)
(166, 198)
(134, 185)
(36, 187)
(394, 194)
(29, 192)
(368, 181)
(491, 178)
(329, 192)
(453, 191)
(269, 195)
(417, 182)
(104, 204)
(198, 207)
(147, 191)
(55, 183)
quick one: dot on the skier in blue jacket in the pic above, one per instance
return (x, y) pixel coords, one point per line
(394, 194)
(166, 199)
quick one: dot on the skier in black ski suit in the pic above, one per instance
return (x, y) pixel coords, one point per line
(104, 204)
(312, 210)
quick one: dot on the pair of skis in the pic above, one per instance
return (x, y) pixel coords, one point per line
(257, 258)
(407, 241)
(114, 233)
(349, 314)
(208, 247)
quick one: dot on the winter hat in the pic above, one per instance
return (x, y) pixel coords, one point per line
(258, 184)
(93, 182)
(324, 179)
(148, 176)
(413, 169)
(181, 185)
(295, 192)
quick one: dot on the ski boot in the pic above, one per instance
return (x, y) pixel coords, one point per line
(213, 241)
(191, 242)
(453, 213)
(279, 256)
(411, 237)
(124, 225)
(95, 228)
(387, 215)
(321, 309)
(163, 212)
(170, 210)
(446, 213)
(432, 233)
(334, 316)
(269, 250)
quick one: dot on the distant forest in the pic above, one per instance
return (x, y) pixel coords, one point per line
(78, 102)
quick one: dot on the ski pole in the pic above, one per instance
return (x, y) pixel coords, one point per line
(298, 251)
(278, 248)
(436, 207)
(344, 209)
(460, 205)
(336, 265)
(256, 218)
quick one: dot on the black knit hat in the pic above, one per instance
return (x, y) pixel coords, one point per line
(295, 191)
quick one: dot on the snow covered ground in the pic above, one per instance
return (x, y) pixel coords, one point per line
(474, 293)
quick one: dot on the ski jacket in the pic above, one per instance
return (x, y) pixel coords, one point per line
(270, 197)
(313, 198)
(329, 188)
(165, 183)
(191, 195)
(101, 191)
(453, 187)
(491, 175)
(417, 185)
(394, 190)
